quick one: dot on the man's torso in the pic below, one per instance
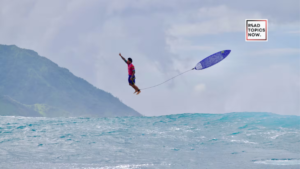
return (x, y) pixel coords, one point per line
(130, 68)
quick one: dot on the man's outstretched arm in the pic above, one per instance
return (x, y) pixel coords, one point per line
(123, 58)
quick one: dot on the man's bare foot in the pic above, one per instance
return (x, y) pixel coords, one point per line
(138, 92)
(135, 92)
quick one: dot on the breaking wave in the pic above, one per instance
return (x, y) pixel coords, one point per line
(233, 140)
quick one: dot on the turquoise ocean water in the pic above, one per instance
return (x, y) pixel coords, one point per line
(183, 141)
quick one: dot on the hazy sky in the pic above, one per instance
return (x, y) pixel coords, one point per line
(165, 37)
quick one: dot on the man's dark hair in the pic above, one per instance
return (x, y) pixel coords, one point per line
(130, 60)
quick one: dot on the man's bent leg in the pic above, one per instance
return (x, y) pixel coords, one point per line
(138, 91)
(135, 88)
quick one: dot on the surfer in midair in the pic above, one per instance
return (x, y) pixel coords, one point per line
(131, 74)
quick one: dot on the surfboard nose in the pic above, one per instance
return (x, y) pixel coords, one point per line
(225, 53)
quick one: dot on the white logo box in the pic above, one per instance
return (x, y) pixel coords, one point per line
(257, 30)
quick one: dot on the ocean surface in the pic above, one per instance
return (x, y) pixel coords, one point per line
(182, 141)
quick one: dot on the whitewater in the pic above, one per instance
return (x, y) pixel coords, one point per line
(190, 141)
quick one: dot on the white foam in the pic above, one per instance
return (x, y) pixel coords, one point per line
(125, 166)
(243, 141)
(279, 162)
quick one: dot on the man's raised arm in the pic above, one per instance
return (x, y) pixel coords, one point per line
(123, 58)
